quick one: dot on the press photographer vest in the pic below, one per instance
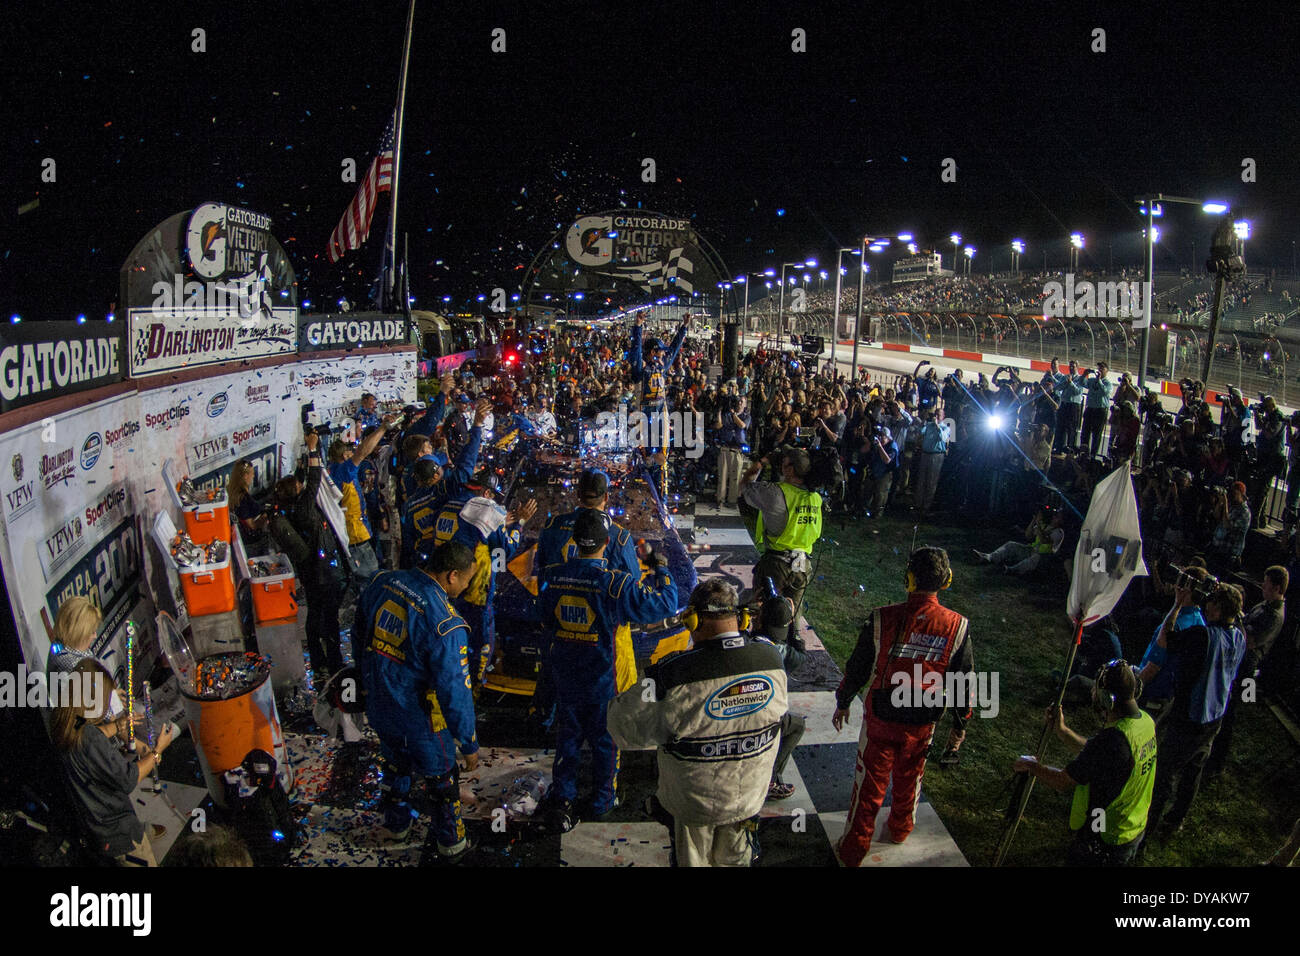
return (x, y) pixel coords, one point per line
(803, 521)
(1126, 816)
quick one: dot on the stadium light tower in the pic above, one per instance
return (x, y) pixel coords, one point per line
(1017, 250)
(1076, 244)
(1241, 229)
(1151, 207)
(780, 310)
(876, 245)
(744, 280)
(970, 256)
(955, 239)
(835, 314)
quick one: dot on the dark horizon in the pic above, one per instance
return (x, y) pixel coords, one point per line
(500, 149)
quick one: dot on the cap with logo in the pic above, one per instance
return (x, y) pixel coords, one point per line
(589, 531)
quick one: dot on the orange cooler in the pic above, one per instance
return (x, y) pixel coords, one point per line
(273, 593)
(210, 589)
(210, 522)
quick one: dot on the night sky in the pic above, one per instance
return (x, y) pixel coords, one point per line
(846, 138)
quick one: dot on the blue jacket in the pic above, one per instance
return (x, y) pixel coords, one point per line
(416, 662)
(928, 392)
(585, 603)
(652, 374)
(505, 539)
(420, 512)
(1163, 686)
(555, 546)
(437, 411)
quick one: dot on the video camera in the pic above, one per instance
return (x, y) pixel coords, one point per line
(1201, 590)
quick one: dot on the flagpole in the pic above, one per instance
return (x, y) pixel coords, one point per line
(397, 150)
(1024, 783)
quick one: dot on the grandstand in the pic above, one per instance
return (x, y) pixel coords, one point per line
(1259, 334)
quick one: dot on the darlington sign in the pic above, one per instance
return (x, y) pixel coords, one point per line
(47, 359)
(363, 330)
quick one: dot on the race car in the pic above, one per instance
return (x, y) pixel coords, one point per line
(550, 475)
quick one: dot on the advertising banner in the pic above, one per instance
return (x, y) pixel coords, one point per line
(71, 522)
(206, 286)
(350, 330)
(40, 360)
(79, 489)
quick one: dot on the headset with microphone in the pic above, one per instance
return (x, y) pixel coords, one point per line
(1103, 699)
(910, 575)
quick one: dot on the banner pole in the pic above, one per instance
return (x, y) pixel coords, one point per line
(1024, 783)
(397, 152)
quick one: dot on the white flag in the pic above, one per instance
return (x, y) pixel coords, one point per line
(1110, 549)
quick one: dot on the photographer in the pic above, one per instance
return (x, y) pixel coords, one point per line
(789, 522)
(1069, 396)
(772, 617)
(935, 436)
(731, 422)
(1293, 467)
(1124, 433)
(1045, 534)
(1207, 659)
(1270, 459)
(320, 567)
(1231, 516)
(1097, 402)
(1236, 427)
(882, 463)
(927, 390)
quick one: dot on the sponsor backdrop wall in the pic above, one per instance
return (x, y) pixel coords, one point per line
(80, 489)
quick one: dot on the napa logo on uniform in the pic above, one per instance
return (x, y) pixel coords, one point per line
(91, 449)
(745, 695)
(217, 404)
(355, 379)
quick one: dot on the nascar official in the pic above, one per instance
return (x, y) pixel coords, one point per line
(715, 714)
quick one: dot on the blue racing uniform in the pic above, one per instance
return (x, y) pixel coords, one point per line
(652, 374)
(420, 513)
(555, 546)
(587, 601)
(475, 605)
(416, 674)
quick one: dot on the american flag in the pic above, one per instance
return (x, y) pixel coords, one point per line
(354, 228)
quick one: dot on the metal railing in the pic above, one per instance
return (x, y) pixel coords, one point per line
(1255, 364)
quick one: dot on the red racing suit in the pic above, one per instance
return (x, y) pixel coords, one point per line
(904, 654)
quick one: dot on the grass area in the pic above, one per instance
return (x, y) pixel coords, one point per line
(1021, 633)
